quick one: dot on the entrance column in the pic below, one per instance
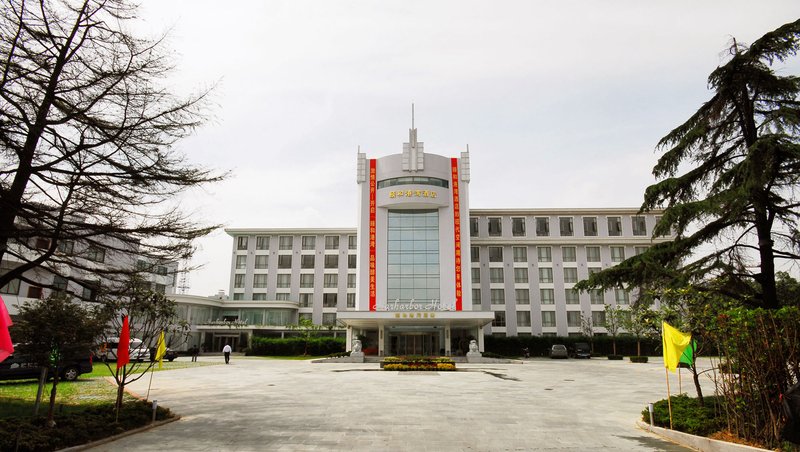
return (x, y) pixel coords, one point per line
(447, 341)
(381, 341)
(348, 342)
(480, 339)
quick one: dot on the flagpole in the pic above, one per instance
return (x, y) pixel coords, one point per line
(666, 374)
(152, 370)
(680, 382)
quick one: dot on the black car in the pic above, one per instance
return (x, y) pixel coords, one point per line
(18, 366)
(169, 355)
(582, 350)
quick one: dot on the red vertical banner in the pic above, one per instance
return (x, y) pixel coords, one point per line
(373, 190)
(457, 229)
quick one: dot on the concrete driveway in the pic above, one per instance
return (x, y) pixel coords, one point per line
(256, 404)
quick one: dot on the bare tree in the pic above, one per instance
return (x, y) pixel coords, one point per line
(87, 135)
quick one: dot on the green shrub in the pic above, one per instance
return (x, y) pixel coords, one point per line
(295, 346)
(638, 359)
(540, 345)
(687, 415)
(615, 357)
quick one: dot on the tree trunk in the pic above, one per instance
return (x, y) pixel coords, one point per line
(614, 345)
(638, 347)
(52, 410)
(40, 391)
(697, 387)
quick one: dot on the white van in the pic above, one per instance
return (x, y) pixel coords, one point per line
(108, 350)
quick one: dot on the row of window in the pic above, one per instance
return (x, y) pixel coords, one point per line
(545, 253)
(497, 275)
(565, 226)
(574, 319)
(547, 296)
(285, 261)
(92, 252)
(286, 242)
(306, 300)
(284, 281)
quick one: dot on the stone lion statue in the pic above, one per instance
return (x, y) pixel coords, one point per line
(473, 346)
(356, 346)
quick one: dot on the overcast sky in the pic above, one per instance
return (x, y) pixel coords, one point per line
(560, 102)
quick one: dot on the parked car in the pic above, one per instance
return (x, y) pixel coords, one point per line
(169, 355)
(558, 351)
(108, 350)
(19, 366)
(583, 350)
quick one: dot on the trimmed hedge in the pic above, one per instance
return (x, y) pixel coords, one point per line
(295, 346)
(687, 415)
(638, 359)
(540, 345)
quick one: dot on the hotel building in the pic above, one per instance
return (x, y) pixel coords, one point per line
(422, 273)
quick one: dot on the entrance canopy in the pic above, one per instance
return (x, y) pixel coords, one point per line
(453, 319)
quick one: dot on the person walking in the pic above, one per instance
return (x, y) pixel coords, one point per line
(195, 350)
(226, 350)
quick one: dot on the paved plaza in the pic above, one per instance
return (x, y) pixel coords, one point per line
(259, 404)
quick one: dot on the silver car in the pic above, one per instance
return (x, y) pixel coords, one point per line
(558, 351)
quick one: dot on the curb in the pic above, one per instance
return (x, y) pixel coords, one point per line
(696, 442)
(109, 439)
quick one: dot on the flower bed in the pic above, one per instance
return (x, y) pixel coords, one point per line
(414, 363)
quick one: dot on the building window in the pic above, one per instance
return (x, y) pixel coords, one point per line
(637, 250)
(518, 227)
(241, 262)
(331, 261)
(331, 242)
(329, 318)
(161, 270)
(241, 243)
(617, 253)
(639, 225)
(523, 296)
(160, 288)
(306, 300)
(305, 316)
(285, 242)
(593, 270)
(352, 242)
(351, 280)
(596, 296)
(262, 242)
(473, 227)
(260, 281)
(548, 319)
(331, 280)
(658, 220)
(547, 296)
(285, 280)
(568, 254)
(66, 247)
(571, 296)
(351, 261)
(544, 253)
(238, 296)
(11, 288)
(285, 261)
(495, 254)
(90, 290)
(306, 260)
(59, 284)
(573, 318)
(306, 280)
(351, 301)
(329, 300)
(524, 318)
(95, 254)
(474, 254)
(545, 275)
(238, 281)
(520, 253)
(614, 226)
(598, 318)
(476, 275)
(308, 242)
(542, 227)
(476, 296)
(565, 226)
(280, 296)
(261, 261)
(570, 275)
(621, 296)
(589, 226)
(495, 275)
(495, 227)
(498, 296)
(499, 318)
(263, 296)
(521, 275)
(593, 254)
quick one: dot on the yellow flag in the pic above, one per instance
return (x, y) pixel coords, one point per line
(674, 343)
(161, 350)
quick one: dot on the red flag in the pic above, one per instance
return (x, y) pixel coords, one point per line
(6, 347)
(123, 348)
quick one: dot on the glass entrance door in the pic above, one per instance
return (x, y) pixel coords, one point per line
(424, 344)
